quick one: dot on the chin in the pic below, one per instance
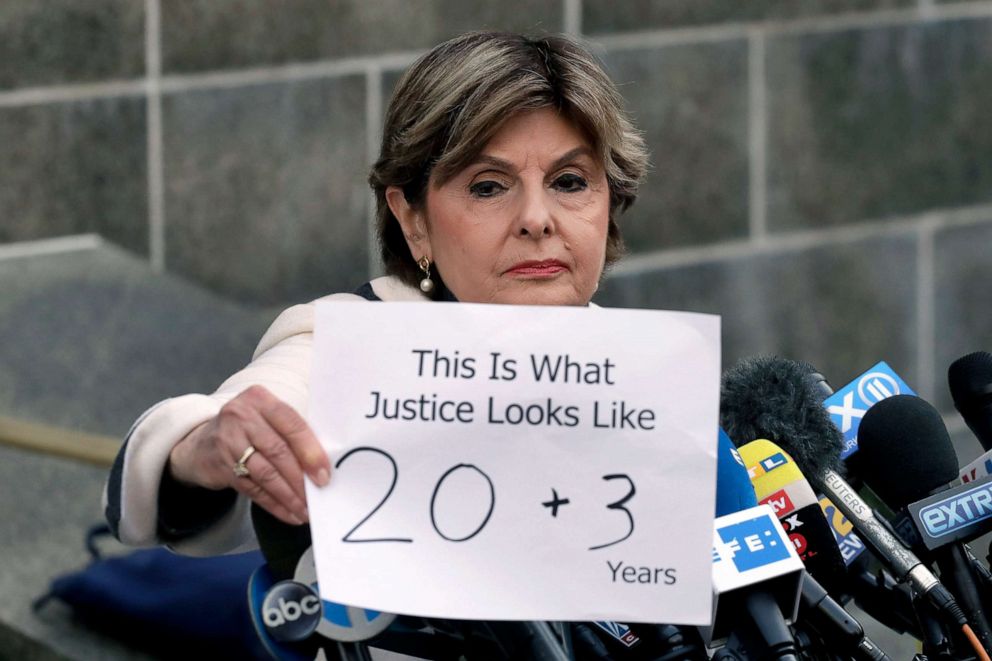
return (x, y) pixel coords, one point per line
(543, 296)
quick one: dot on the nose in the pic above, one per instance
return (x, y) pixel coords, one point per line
(535, 219)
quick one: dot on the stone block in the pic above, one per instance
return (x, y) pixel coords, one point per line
(265, 188)
(691, 102)
(602, 16)
(73, 168)
(962, 318)
(70, 41)
(260, 33)
(878, 122)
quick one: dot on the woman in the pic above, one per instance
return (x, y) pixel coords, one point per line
(504, 162)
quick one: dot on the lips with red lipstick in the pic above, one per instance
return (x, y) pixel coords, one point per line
(545, 267)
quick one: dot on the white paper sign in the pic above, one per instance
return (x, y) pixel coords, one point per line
(525, 463)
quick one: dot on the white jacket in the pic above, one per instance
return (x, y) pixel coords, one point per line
(281, 363)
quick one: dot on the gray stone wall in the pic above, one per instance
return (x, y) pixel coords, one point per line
(822, 178)
(822, 169)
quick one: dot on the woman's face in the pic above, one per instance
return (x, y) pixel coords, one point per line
(525, 223)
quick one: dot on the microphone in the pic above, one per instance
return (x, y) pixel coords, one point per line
(908, 457)
(970, 380)
(977, 469)
(289, 570)
(873, 588)
(282, 545)
(734, 491)
(772, 398)
(907, 450)
(755, 571)
(283, 614)
(738, 582)
(779, 483)
(776, 399)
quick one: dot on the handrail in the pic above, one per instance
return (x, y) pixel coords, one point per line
(49, 439)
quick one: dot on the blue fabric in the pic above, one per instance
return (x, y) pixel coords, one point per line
(167, 603)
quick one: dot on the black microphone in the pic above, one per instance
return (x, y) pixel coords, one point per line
(738, 588)
(281, 544)
(782, 401)
(907, 452)
(835, 625)
(871, 586)
(779, 483)
(970, 380)
(772, 398)
(757, 581)
(907, 456)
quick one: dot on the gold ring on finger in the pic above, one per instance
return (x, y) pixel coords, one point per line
(241, 467)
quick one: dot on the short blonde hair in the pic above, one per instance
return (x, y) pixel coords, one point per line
(451, 101)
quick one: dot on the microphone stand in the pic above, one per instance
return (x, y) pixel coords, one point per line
(769, 625)
(956, 571)
(749, 642)
(545, 645)
(889, 602)
(984, 579)
(348, 651)
(936, 643)
(533, 640)
(836, 628)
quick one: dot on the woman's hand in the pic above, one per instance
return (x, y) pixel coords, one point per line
(285, 449)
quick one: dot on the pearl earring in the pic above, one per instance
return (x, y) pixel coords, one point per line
(426, 284)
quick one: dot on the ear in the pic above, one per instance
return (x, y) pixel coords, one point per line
(412, 222)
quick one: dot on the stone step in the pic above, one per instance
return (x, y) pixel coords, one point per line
(92, 338)
(89, 339)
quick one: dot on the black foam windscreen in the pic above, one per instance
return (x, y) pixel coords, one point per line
(905, 450)
(281, 543)
(970, 378)
(780, 400)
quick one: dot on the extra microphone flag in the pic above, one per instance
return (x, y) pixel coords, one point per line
(960, 514)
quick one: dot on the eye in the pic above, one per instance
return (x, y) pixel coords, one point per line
(570, 183)
(486, 188)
